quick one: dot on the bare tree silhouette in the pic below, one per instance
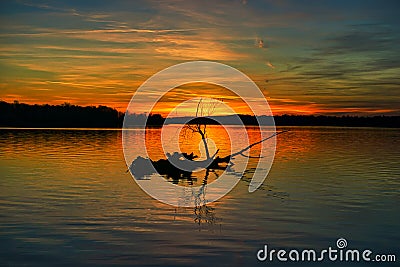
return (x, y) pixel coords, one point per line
(204, 109)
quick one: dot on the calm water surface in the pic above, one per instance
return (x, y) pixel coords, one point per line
(66, 200)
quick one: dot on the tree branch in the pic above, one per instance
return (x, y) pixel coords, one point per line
(256, 143)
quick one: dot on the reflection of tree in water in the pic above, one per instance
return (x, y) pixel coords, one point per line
(204, 215)
(203, 212)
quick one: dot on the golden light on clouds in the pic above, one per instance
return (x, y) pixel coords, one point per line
(168, 103)
(70, 52)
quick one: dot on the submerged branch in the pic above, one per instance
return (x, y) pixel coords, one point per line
(256, 143)
(227, 159)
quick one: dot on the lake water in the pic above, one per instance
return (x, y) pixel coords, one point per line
(66, 200)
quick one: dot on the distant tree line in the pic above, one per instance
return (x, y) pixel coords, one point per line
(72, 116)
(299, 120)
(65, 115)
(322, 120)
(350, 121)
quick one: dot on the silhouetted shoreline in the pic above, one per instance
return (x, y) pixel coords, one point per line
(21, 115)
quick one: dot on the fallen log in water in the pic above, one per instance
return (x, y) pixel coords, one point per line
(142, 167)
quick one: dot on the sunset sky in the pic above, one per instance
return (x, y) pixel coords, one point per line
(308, 57)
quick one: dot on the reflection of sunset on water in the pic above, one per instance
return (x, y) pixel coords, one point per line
(74, 182)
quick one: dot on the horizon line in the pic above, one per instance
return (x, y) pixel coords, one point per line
(330, 114)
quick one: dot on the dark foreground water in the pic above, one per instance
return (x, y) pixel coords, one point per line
(66, 200)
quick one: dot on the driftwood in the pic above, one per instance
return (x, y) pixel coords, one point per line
(142, 167)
